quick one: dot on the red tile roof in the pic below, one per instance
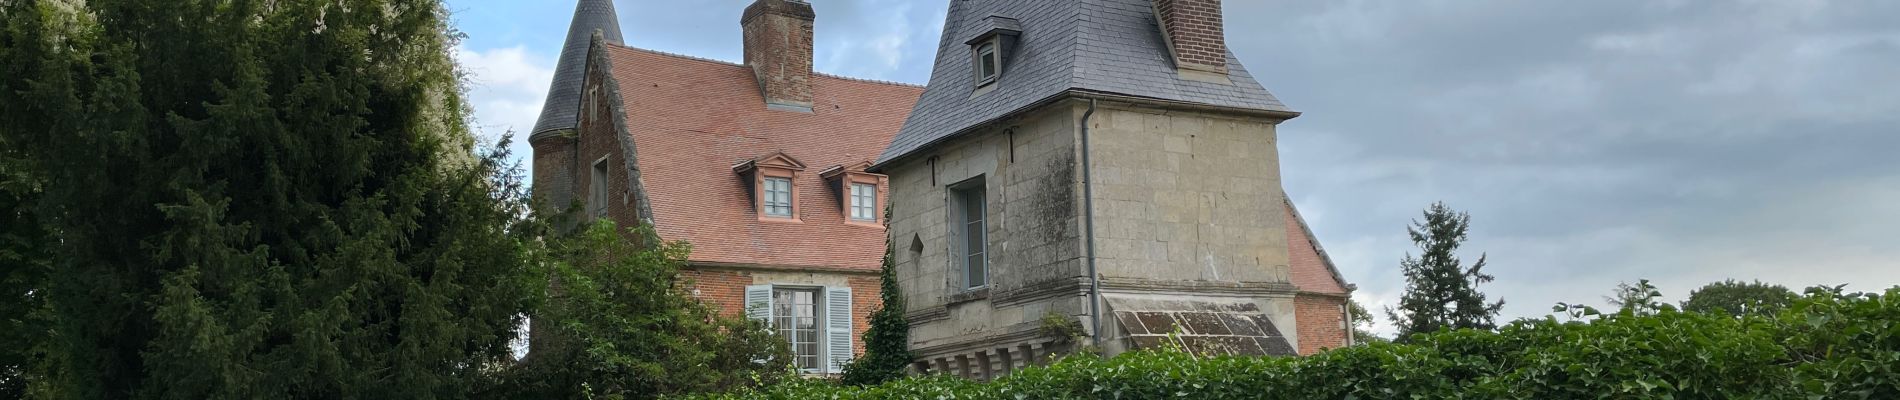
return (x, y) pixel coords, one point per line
(1313, 271)
(692, 119)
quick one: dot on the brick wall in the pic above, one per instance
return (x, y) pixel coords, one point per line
(866, 297)
(1194, 31)
(553, 171)
(1321, 322)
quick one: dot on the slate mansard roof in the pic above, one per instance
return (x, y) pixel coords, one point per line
(1100, 46)
(692, 119)
(560, 109)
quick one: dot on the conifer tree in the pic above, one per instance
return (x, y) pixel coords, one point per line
(1441, 293)
(259, 199)
(887, 342)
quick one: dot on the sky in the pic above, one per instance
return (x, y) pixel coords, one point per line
(1593, 143)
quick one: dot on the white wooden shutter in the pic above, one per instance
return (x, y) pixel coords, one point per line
(838, 334)
(758, 303)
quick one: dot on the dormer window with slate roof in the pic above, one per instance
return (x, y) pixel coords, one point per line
(770, 180)
(990, 47)
(859, 193)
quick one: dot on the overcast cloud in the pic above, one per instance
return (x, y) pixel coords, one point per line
(1593, 142)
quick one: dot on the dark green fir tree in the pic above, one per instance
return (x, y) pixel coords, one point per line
(253, 199)
(1440, 292)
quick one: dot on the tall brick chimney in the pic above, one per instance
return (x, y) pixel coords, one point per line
(1194, 34)
(778, 48)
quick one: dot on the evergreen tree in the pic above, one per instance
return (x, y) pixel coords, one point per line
(887, 342)
(1734, 297)
(1440, 293)
(259, 199)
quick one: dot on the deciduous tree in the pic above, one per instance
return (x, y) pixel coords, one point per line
(1734, 297)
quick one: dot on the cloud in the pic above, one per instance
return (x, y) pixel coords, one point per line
(1593, 142)
(507, 87)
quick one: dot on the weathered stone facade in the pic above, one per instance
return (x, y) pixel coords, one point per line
(1187, 207)
(1028, 166)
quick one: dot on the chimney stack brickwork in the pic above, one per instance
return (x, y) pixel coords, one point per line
(778, 47)
(1194, 32)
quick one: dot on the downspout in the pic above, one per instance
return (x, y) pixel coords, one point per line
(1350, 328)
(1088, 212)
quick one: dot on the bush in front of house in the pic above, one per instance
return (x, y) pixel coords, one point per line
(1829, 344)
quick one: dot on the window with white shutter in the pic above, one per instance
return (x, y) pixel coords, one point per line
(815, 321)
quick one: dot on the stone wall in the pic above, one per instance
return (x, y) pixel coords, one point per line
(1033, 220)
(1185, 196)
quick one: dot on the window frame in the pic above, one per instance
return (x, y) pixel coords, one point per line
(819, 339)
(960, 195)
(987, 51)
(766, 204)
(598, 196)
(869, 199)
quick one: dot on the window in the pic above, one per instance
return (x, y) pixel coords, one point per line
(863, 202)
(815, 321)
(778, 197)
(986, 63)
(970, 231)
(597, 189)
(796, 320)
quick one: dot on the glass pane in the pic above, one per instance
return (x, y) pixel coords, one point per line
(975, 263)
(973, 238)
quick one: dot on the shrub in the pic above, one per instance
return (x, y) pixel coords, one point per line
(1828, 345)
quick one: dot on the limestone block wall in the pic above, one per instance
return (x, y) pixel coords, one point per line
(1029, 168)
(1185, 196)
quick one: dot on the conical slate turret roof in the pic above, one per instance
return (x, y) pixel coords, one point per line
(564, 94)
(1091, 46)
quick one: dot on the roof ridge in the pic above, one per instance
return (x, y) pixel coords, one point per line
(734, 64)
(677, 55)
(869, 80)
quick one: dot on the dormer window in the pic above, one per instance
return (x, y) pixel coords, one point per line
(769, 181)
(989, 49)
(986, 63)
(858, 193)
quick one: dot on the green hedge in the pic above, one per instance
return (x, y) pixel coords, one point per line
(1828, 345)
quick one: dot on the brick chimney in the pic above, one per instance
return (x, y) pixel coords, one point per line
(1193, 31)
(778, 48)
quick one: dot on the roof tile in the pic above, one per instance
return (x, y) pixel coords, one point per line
(692, 119)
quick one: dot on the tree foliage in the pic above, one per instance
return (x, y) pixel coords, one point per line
(1441, 293)
(1828, 345)
(1362, 324)
(619, 326)
(1734, 297)
(1640, 298)
(887, 342)
(259, 199)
